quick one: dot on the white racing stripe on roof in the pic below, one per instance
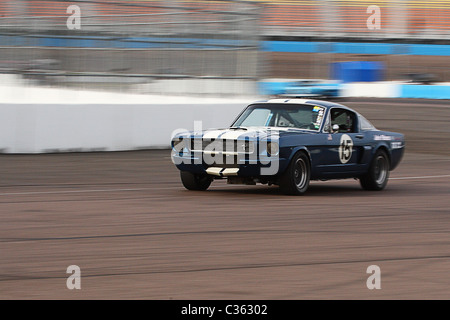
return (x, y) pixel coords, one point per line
(287, 100)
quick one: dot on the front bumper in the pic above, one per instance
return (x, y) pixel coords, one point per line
(240, 166)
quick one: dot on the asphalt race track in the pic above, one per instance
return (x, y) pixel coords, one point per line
(136, 233)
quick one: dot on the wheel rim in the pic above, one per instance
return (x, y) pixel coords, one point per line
(300, 173)
(380, 170)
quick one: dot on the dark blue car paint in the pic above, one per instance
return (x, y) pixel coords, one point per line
(322, 149)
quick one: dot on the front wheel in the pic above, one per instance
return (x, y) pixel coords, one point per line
(378, 175)
(194, 181)
(295, 180)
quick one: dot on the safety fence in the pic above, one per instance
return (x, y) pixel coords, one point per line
(121, 44)
(73, 42)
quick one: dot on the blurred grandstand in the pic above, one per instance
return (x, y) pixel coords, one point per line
(125, 43)
(148, 44)
(401, 19)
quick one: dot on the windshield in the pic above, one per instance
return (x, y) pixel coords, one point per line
(308, 117)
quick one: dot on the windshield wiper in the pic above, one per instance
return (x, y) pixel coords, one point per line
(238, 128)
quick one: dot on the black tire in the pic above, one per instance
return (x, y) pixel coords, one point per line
(295, 180)
(193, 181)
(378, 175)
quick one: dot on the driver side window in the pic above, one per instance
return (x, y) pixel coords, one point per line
(283, 122)
(345, 119)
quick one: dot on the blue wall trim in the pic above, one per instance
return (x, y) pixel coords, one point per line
(357, 48)
(430, 49)
(268, 46)
(108, 42)
(290, 46)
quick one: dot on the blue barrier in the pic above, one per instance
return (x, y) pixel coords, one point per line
(425, 91)
(272, 87)
(357, 71)
(404, 91)
(280, 87)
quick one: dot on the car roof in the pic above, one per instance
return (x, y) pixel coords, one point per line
(323, 103)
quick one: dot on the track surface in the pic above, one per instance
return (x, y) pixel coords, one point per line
(127, 222)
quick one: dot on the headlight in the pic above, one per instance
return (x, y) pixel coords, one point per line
(272, 148)
(178, 144)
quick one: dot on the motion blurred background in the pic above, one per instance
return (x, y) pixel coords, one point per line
(219, 47)
(79, 77)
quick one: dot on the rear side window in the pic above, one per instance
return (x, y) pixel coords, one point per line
(365, 124)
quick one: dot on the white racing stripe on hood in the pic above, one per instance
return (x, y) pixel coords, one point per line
(213, 134)
(233, 134)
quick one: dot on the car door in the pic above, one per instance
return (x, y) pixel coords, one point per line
(344, 145)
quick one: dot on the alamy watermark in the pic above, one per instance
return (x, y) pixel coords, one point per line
(222, 147)
(374, 21)
(74, 280)
(374, 280)
(74, 20)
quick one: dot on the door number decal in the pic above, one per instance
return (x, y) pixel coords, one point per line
(345, 148)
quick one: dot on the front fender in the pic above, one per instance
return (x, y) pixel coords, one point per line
(290, 154)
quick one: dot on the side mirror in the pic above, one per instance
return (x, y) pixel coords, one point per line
(335, 128)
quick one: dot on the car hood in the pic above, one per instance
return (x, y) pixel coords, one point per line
(243, 133)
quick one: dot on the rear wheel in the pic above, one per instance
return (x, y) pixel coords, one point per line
(195, 181)
(295, 180)
(378, 175)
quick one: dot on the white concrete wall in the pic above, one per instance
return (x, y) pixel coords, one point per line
(373, 90)
(37, 119)
(211, 87)
(37, 128)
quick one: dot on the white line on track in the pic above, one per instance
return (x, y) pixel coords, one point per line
(70, 191)
(94, 190)
(167, 188)
(420, 177)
